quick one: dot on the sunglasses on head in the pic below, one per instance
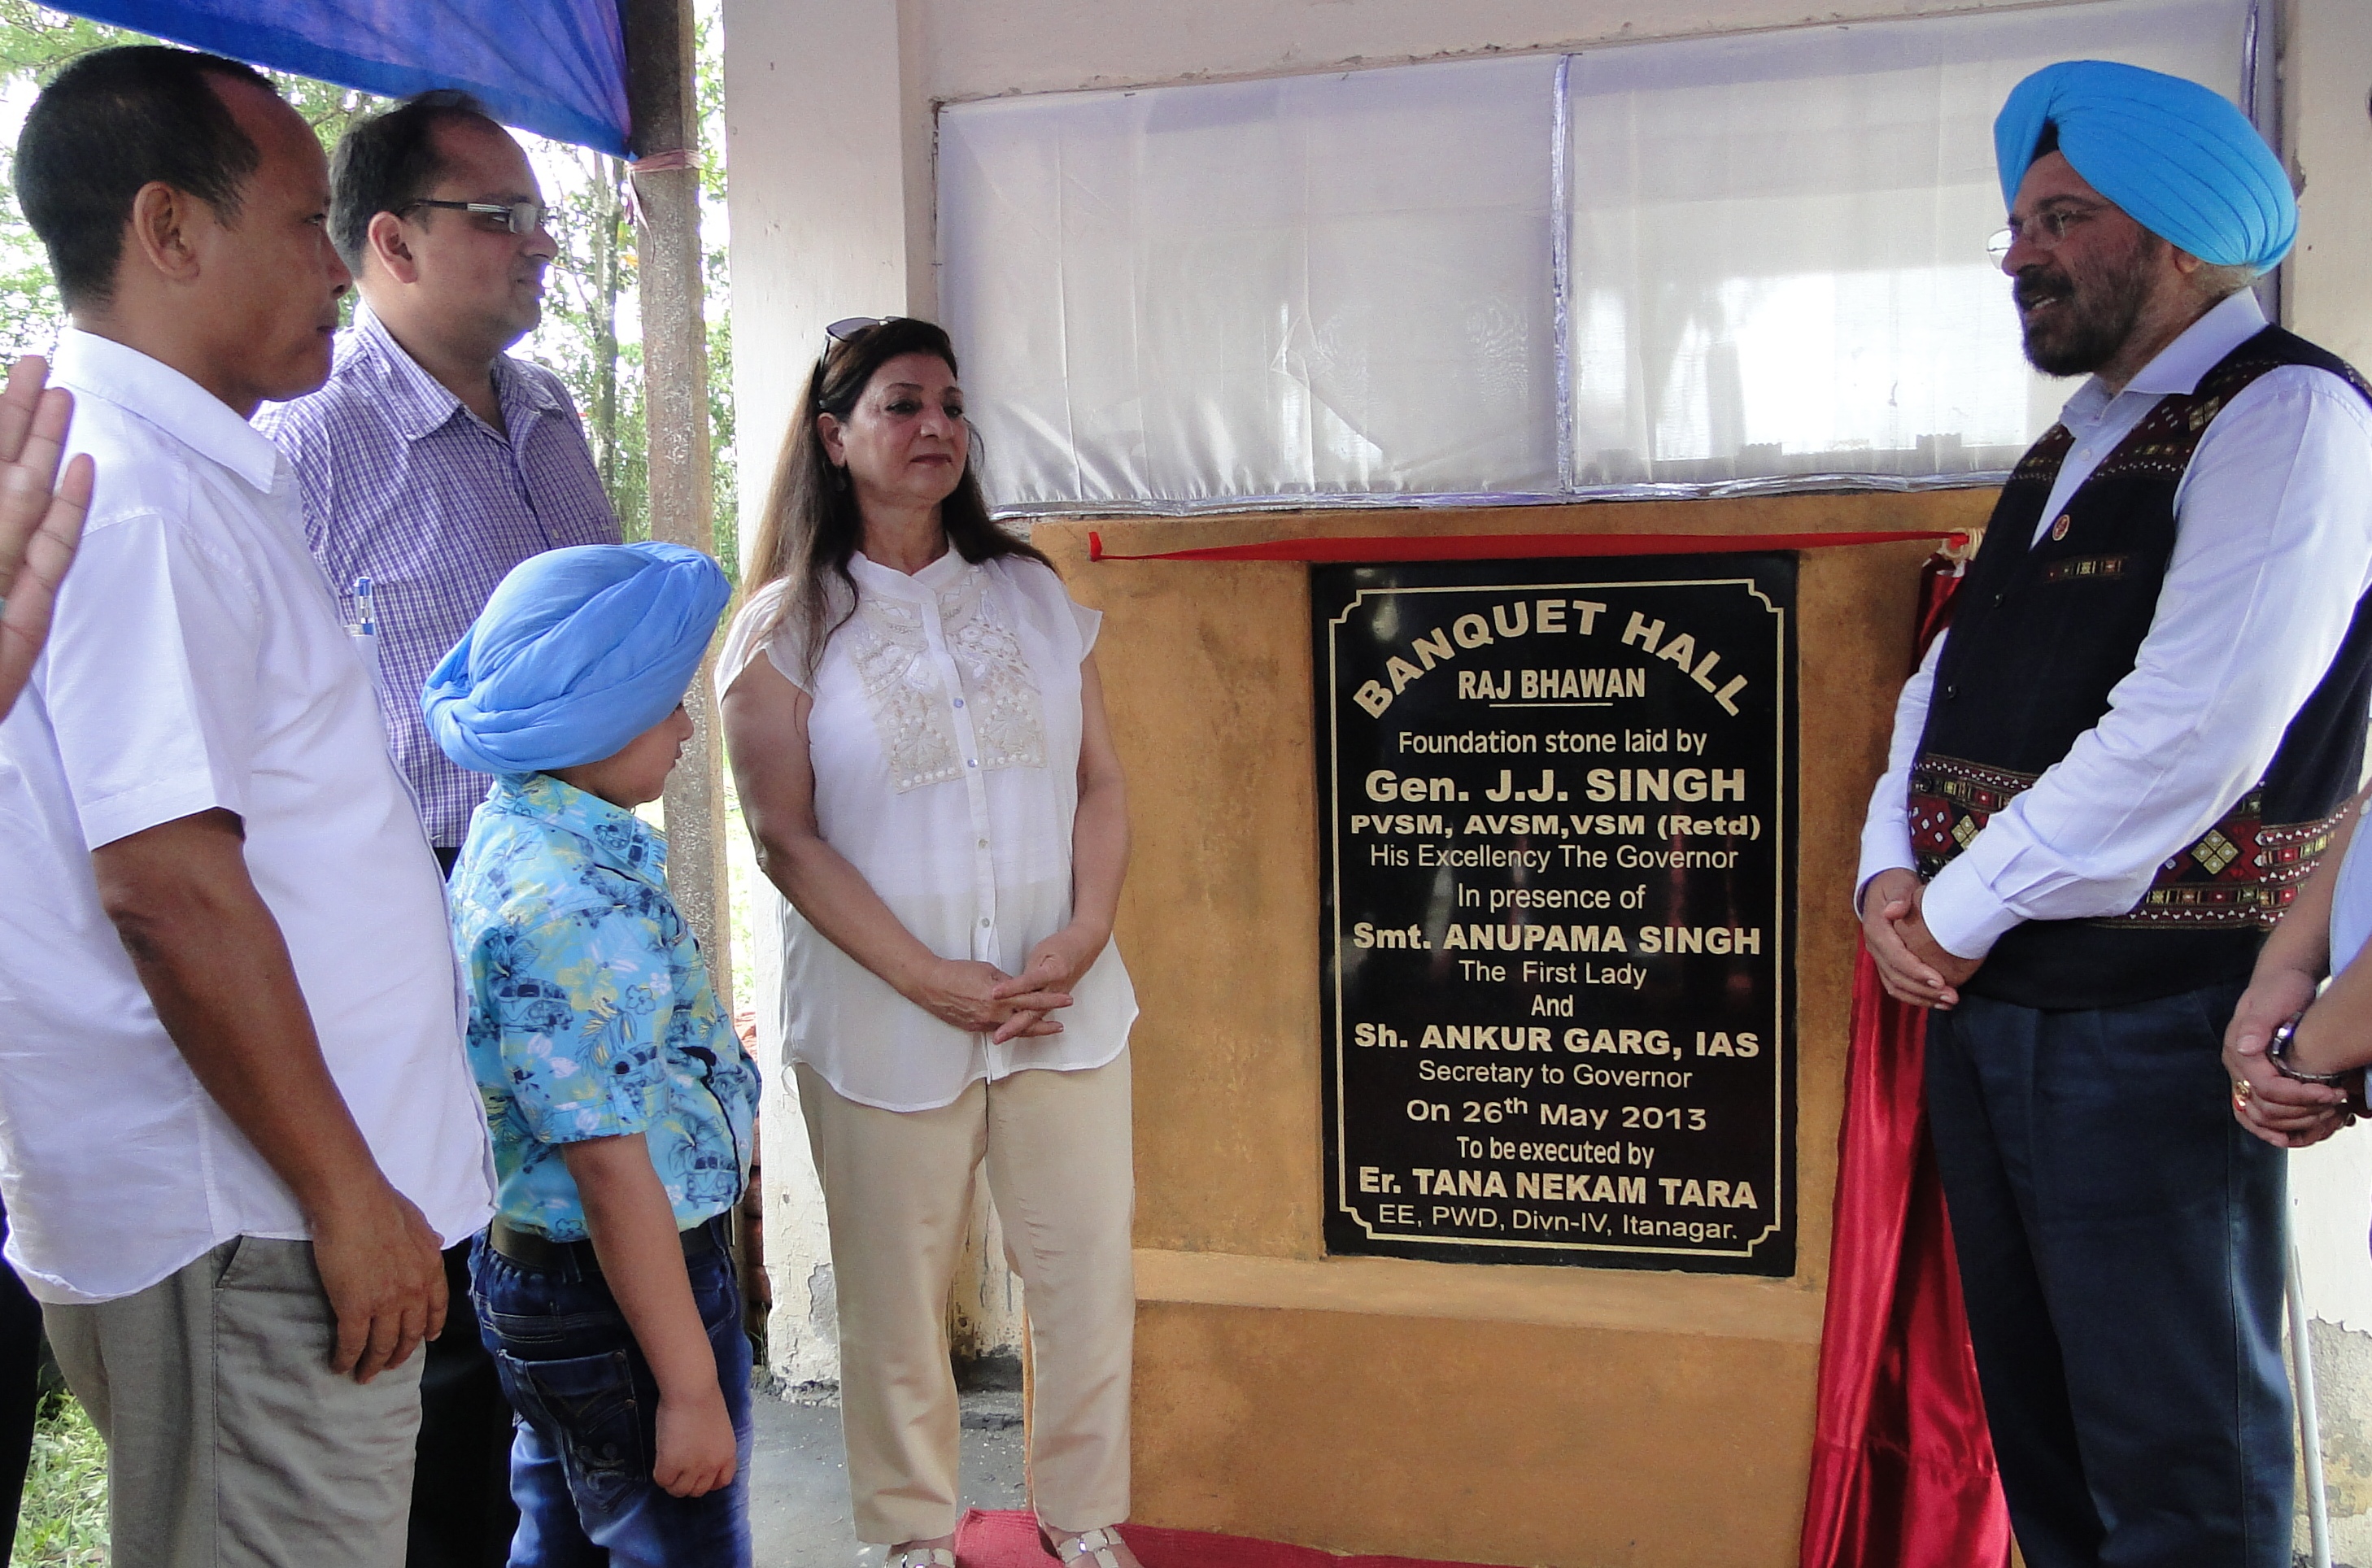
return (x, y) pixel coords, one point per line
(848, 329)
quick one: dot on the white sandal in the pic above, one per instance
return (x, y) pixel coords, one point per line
(921, 1557)
(1097, 1543)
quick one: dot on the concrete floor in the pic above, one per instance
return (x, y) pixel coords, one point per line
(798, 1476)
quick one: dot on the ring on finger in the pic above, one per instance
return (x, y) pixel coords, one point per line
(2241, 1091)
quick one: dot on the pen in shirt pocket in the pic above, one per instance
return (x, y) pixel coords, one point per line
(364, 628)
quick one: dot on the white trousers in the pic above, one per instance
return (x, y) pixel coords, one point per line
(897, 1190)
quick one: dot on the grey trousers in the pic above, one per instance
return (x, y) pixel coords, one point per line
(230, 1444)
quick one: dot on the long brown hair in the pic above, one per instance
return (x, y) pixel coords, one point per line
(812, 524)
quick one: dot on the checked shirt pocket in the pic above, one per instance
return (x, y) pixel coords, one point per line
(589, 1403)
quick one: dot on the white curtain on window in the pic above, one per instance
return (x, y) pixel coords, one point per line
(1350, 287)
(1777, 263)
(1306, 286)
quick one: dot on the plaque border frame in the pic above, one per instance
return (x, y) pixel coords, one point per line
(1609, 1255)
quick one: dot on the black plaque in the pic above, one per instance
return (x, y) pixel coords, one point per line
(1558, 810)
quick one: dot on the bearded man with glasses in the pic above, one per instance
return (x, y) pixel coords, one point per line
(2106, 782)
(430, 464)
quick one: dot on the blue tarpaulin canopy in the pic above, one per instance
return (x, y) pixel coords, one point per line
(556, 67)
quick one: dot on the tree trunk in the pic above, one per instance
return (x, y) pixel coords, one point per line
(608, 284)
(675, 422)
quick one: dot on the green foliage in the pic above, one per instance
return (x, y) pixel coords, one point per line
(723, 459)
(63, 1523)
(588, 295)
(590, 330)
(36, 44)
(36, 40)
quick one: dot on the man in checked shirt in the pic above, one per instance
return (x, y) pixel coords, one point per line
(432, 462)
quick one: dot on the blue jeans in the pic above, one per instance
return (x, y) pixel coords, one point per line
(588, 1410)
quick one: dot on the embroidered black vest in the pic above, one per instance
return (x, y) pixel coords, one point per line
(2043, 631)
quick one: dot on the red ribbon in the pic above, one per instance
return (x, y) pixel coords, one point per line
(1519, 546)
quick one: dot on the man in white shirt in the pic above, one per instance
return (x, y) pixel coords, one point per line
(237, 1123)
(2106, 782)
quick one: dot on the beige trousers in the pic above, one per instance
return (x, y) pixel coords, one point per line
(230, 1444)
(897, 1188)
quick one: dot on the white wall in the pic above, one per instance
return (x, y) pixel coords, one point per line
(815, 129)
(830, 111)
(2326, 78)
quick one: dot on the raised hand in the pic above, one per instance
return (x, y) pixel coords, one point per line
(41, 517)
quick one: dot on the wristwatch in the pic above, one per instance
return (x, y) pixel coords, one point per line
(2277, 1051)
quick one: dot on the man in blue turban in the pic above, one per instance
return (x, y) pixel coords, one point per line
(2109, 779)
(2198, 204)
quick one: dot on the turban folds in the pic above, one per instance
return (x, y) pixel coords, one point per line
(575, 653)
(2176, 156)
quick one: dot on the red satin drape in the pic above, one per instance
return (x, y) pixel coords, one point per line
(1903, 1464)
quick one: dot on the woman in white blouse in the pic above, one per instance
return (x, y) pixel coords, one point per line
(911, 701)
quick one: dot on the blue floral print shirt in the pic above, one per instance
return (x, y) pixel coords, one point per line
(590, 1011)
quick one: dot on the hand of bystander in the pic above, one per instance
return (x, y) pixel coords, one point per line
(41, 517)
(2282, 1112)
(2286, 985)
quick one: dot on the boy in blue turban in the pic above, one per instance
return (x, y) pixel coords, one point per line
(2109, 778)
(619, 1101)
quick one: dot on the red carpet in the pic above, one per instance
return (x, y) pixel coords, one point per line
(1010, 1540)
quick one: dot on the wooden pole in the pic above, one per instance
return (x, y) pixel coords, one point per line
(661, 97)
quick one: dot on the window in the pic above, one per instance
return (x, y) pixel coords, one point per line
(1777, 264)
(1755, 259)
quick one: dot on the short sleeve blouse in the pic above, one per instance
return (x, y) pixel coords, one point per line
(944, 740)
(2350, 903)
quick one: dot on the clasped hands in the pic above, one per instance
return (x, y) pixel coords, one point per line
(2281, 1111)
(979, 998)
(1912, 964)
(2285, 1113)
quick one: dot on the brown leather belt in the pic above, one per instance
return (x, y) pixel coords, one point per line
(530, 1250)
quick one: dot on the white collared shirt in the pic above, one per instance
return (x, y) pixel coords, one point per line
(2272, 548)
(945, 737)
(198, 662)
